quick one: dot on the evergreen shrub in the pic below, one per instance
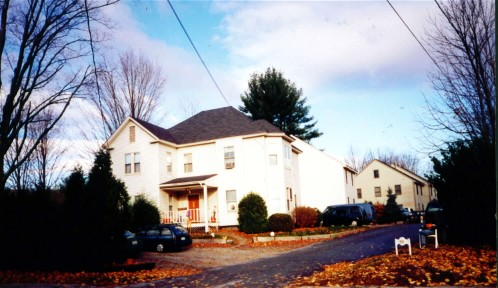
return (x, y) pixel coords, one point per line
(280, 222)
(253, 214)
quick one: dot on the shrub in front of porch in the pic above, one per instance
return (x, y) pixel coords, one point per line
(280, 222)
(253, 214)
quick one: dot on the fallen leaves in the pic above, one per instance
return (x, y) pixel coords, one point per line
(92, 278)
(448, 265)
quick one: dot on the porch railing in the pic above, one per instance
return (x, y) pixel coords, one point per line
(190, 216)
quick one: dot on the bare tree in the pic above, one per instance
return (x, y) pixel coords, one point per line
(43, 46)
(404, 160)
(43, 168)
(46, 164)
(463, 46)
(132, 87)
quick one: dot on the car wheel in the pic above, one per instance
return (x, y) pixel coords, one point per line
(354, 223)
(160, 248)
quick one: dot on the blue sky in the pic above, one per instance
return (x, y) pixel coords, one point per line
(362, 72)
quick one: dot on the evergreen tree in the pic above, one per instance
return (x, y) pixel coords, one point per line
(108, 211)
(144, 212)
(392, 212)
(277, 100)
(465, 182)
(253, 214)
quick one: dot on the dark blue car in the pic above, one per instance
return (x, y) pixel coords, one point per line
(164, 237)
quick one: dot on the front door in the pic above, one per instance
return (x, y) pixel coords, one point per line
(193, 207)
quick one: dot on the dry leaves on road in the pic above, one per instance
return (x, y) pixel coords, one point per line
(448, 265)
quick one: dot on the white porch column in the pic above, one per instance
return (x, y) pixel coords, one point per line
(206, 212)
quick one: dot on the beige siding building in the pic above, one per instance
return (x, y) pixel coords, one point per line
(412, 191)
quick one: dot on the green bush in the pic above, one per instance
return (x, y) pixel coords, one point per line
(280, 222)
(305, 216)
(253, 214)
(144, 212)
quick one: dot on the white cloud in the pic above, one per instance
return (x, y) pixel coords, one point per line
(320, 42)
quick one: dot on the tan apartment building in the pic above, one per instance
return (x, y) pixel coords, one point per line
(412, 190)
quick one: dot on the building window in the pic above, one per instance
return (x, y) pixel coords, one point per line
(187, 166)
(289, 198)
(127, 163)
(229, 157)
(273, 159)
(346, 174)
(136, 162)
(352, 181)
(231, 200)
(377, 192)
(376, 173)
(169, 162)
(287, 152)
(358, 193)
(397, 189)
(132, 134)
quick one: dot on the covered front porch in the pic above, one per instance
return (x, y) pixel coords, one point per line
(192, 202)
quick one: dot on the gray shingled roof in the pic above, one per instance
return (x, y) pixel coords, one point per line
(210, 125)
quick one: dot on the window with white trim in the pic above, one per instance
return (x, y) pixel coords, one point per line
(229, 157)
(136, 162)
(397, 189)
(132, 158)
(231, 200)
(377, 192)
(169, 162)
(187, 163)
(127, 163)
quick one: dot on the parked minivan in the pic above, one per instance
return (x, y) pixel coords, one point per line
(346, 214)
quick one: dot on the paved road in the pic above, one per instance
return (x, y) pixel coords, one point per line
(281, 269)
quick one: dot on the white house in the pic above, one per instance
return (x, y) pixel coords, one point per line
(412, 191)
(321, 178)
(202, 167)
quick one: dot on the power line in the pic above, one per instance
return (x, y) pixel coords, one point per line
(413, 34)
(191, 42)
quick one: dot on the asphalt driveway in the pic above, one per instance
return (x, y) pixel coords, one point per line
(280, 270)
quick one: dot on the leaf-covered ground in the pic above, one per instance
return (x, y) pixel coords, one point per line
(445, 266)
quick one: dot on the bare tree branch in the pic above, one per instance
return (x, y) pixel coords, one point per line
(44, 48)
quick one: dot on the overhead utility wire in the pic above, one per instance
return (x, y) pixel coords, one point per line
(413, 34)
(191, 42)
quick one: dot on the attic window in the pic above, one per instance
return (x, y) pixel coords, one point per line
(376, 173)
(132, 134)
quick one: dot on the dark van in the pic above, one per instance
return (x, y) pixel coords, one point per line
(370, 211)
(347, 214)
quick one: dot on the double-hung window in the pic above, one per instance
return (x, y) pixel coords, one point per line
(187, 163)
(132, 158)
(229, 157)
(377, 192)
(136, 162)
(127, 163)
(169, 162)
(397, 189)
(231, 200)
